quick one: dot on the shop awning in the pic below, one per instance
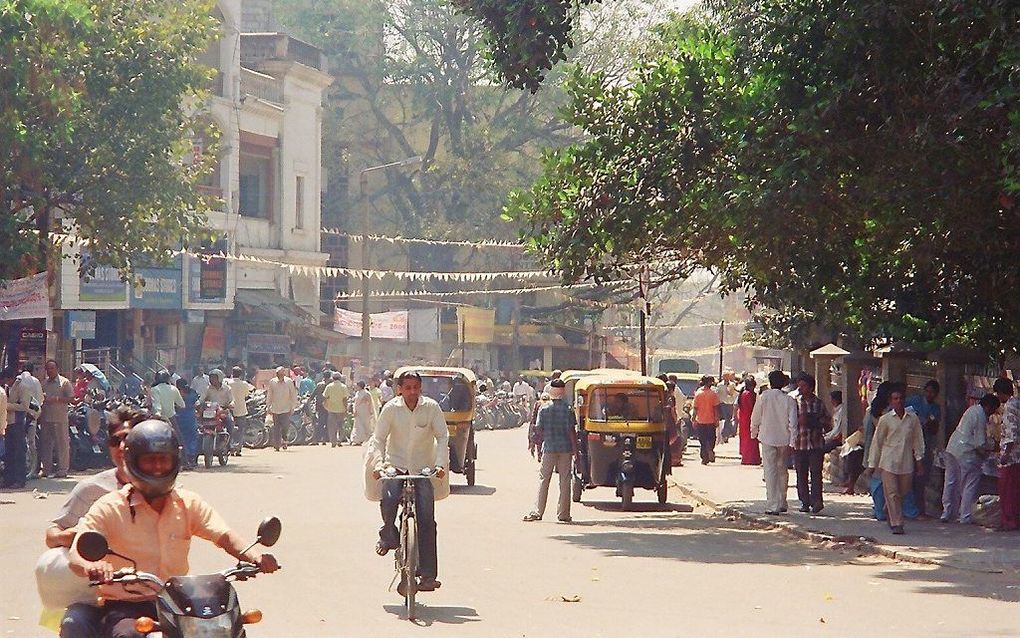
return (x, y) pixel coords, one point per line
(269, 304)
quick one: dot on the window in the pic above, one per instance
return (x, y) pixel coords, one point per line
(255, 186)
(625, 404)
(299, 202)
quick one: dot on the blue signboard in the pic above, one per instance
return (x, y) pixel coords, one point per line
(104, 284)
(158, 288)
(80, 324)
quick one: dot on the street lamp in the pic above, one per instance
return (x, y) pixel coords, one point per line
(366, 319)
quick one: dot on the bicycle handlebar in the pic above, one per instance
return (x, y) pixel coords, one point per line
(426, 473)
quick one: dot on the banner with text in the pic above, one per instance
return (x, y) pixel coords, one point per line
(24, 298)
(382, 325)
(476, 325)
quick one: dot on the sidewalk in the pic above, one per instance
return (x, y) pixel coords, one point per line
(739, 491)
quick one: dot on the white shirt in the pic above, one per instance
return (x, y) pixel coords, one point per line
(166, 400)
(680, 398)
(412, 439)
(774, 419)
(727, 391)
(281, 396)
(838, 423)
(363, 407)
(522, 389)
(200, 384)
(3, 410)
(970, 435)
(239, 389)
(33, 386)
(386, 393)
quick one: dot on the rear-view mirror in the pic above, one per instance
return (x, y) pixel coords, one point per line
(269, 531)
(92, 546)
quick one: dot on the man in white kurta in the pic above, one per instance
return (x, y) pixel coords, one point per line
(364, 415)
(774, 424)
(410, 435)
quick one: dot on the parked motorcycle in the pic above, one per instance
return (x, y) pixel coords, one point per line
(215, 439)
(87, 429)
(190, 606)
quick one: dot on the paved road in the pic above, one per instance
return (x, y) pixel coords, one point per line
(679, 572)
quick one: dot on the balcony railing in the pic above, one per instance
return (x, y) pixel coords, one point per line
(262, 86)
(261, 47)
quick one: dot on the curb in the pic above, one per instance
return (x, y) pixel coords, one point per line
(794, 531)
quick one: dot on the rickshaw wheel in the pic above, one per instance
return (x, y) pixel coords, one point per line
(663, 492)
(469, 462)
(627, 496)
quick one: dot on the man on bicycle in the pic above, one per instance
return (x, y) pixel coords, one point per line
(411, 435)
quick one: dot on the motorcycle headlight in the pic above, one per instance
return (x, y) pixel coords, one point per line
(215, 627)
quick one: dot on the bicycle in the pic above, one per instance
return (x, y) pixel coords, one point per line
(405, 561)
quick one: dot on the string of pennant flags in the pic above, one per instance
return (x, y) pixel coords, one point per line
(400, 294)
(484, 243)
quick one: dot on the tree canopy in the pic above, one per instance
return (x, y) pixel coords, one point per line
(96, 122)
(850, 162)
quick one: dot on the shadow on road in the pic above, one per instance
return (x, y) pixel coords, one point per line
(442, 615)
(477, 490)
(615, 506)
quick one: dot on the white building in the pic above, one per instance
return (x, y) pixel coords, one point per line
(266, 103)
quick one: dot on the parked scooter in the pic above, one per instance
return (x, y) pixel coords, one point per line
(87, 430)
(212, 426)
(190, 606)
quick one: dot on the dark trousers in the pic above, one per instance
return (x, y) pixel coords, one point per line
(706, 438)
(321, 421)
(424, 511)
(920, 485)
(82, 621)
(276, 432)
(119, 618)
(16, 451)
(809, 476)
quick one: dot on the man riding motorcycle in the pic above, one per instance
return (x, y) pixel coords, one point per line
(410, 435)
(152, 522)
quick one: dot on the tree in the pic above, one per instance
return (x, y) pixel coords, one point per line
(96, 119)
(850, 163)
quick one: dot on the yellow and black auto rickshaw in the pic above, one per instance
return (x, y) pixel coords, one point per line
(622, 437)
(454, 390)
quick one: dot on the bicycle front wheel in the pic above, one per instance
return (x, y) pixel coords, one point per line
(409, 570)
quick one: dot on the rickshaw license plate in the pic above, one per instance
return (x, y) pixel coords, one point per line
(644, 442)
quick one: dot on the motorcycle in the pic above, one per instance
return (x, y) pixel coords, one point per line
(87, 429)
(201, 606)
(215, 439)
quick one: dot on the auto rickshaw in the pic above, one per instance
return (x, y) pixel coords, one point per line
(622, 437)
(454, 390)
(571, 377)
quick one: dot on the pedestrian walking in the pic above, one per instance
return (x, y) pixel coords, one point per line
(281, 399)
(334, 399)
(750, 451)
(895, 454)
(239, 391)
(726, 390)
(706, 418)
(186, 418)
(34, 388)
(321, 414)
(927, 409)
(54, 436)
(364, 415)
(965, 454)
(774, 426)
(556, 425)
(813, 421)
(1009, 467)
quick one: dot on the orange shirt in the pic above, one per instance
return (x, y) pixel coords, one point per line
(159, 542)
(705, 403)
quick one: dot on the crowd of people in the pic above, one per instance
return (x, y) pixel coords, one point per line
(894, 448)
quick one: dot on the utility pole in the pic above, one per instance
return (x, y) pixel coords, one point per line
(645, 285)
(722, 345)
(366, 318)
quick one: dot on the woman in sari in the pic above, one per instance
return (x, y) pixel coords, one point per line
(750, 452)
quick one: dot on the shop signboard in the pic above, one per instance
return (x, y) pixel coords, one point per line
(157, 288)
(382, 325)
(268, 344)
(80, 324)
(206, 285)
(103, 284)
(32, 345)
